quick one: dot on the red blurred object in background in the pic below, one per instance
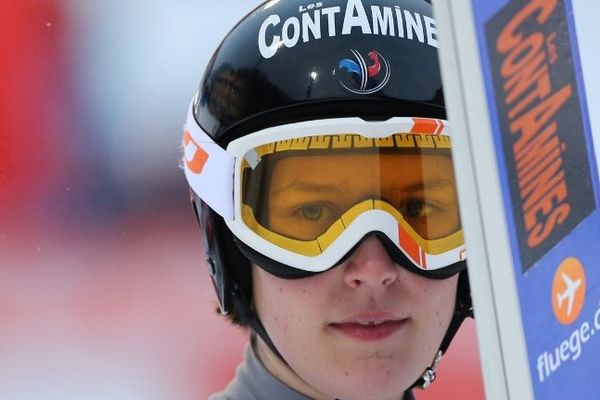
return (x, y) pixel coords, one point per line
(35, 105)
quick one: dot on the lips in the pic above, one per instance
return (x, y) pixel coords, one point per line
(368, 329)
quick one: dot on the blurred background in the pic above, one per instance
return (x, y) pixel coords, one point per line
(103, 289)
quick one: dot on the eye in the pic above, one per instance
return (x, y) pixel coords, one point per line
(414, 208)
(312, 212)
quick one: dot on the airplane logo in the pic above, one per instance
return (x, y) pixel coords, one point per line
(568, 291)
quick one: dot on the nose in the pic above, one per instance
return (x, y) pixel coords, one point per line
(370, 266)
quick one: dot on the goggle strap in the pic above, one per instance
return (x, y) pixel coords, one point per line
(208, 168)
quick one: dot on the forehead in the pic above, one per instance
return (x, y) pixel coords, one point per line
(339, 169)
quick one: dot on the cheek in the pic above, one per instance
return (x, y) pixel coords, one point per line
(284, 306)
(439, 297)
(269, 300)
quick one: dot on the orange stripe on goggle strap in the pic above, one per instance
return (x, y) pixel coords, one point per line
(428, 126)
(200, 156)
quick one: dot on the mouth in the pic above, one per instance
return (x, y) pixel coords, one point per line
(368, 330)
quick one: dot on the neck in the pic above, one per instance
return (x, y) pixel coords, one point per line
(280, 370)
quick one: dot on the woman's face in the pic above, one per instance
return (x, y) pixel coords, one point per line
(366, 329)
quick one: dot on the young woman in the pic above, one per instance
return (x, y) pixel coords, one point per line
(319, 162)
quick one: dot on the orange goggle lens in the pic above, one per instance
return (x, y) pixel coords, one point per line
(302, 194)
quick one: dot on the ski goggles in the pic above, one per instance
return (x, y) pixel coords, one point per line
(305, 194)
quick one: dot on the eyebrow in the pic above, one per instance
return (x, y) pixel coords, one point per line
(433, 184)
(307, 187)
(438, 183)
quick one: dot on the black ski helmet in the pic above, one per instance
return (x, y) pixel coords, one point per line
(287, 62)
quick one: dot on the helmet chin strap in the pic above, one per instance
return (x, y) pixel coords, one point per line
(249, 316)
(429, 375)
(462, 310)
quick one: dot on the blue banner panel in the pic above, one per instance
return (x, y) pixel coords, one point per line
(547, 166)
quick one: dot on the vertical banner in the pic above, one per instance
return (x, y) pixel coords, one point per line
(540, 121)
(519, 80)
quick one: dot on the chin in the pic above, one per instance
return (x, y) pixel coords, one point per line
(373, 381)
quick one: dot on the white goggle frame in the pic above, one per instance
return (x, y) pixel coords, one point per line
(214, 174)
